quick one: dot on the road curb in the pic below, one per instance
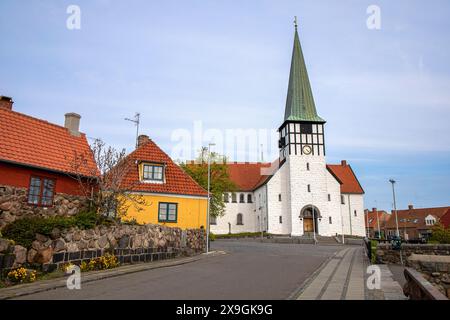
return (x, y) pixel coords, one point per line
(47, 285)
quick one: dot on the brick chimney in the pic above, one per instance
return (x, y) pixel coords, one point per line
(344, 163)
(142, 139)
(6, 102)
(410, 207)
(374, 209)
(72, 122)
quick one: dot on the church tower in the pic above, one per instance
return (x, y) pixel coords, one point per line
(302, 130)
(302, 153)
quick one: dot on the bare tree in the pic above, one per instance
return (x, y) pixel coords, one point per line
(106, 184)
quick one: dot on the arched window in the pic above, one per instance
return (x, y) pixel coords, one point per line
(242, 198)
(233, 198)
(226, 197)
(307, 166)
(249, 198)
(213, 220)
(240, 221)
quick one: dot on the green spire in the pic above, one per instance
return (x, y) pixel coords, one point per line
(300, 102)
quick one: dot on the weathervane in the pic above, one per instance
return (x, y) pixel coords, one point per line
(295, 22)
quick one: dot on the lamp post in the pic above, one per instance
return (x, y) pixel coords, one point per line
(378, 219)
(392, 181)
(208, 207)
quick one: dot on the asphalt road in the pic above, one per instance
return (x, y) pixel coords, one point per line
(250, 270)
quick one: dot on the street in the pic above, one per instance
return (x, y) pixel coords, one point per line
(249, 270)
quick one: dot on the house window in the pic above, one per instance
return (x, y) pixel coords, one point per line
(279, 197)
(242, 198)
(41, 191)
(167, 212)
(240, 219)
(249, 198)
(355, 213)
(281, 219)
(226, 197)
(213, 220)
(329, 197)
(309, 188)
(307, 166)
(342, 199)
(233, 198)
(153, 172)
(330, 220)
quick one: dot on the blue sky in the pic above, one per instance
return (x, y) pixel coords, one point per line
(384, 93)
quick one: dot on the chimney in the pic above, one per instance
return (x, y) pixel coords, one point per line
(410, 207)
(343, 163)
(374, 209)
(6, 102)
(72, 122)
(142, 139)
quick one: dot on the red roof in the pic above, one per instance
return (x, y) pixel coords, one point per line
(415, 218)
(371, 218)
(344, 173)
(247, 176)
(37, 143)
(176, 180)
(445, 219)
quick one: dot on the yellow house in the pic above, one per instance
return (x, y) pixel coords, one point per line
(171, 197)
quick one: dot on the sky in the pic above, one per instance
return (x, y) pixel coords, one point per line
(198, 70)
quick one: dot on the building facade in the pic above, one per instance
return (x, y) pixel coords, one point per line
(299, 193)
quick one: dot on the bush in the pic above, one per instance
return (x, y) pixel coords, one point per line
(212, 236)
(440, 234)
(241, 235)
(23, 231)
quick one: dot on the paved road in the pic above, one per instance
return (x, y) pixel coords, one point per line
(250, 270)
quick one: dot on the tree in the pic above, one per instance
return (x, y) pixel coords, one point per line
(105, 185)
(440, 234)
(220, 179)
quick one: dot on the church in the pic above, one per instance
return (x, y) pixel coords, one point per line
(299, 194)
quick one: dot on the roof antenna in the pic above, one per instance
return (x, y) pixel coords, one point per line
(136, 121)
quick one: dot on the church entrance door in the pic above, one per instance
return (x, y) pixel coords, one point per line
(308, 225)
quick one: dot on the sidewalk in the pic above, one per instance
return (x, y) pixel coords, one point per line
(45, 285)
(344, 276)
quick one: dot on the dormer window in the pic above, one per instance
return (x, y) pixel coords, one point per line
(153, 173)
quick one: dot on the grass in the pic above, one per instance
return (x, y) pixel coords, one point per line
(241, 235)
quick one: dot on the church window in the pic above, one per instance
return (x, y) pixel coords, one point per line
(309, 188)
(242, 198)
(281, 219)
(342, 199)
(307, 166)
(213, 220)
(226, 197)
(233, 198)
(279, 197)
(306, 128)
(240, 219)
(249, 198)
(329, 197)
(330, 220)
(355, 213)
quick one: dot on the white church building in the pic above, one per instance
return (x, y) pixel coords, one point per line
(299, 192)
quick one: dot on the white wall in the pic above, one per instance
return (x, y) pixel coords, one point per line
(277, 185)
(353, 225)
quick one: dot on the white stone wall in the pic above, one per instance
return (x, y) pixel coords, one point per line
(277, 185)
(353, 225)
(230, 217)
(334, 208)
(261, 209)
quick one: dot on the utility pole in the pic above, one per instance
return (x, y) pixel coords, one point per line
(392, 181)
(136, 121)
(209, 198)
(378, 220)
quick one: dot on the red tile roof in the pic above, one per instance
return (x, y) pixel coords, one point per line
(247, 176)
(383, 217)
(415, 218)
(176, 180)
(345, 174)
(445, 219)
(37, 143)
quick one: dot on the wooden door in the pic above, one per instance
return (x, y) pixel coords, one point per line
(308, 225)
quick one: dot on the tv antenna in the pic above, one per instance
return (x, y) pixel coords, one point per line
(136, 121)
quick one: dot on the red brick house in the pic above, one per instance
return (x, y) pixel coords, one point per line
(445, 219)
(376, 220)
(37, 165)
(415, 224)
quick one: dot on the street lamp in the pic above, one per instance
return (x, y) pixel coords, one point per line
(378, 219)
(209, 184)
(392, 181)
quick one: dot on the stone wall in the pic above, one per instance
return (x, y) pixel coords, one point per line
(14, 205)
(130, 243)
(386, 255)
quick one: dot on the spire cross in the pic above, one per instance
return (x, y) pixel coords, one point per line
(295, 22)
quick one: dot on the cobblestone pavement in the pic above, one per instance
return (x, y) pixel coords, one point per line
(344, 278)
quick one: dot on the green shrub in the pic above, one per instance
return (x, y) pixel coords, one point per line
(241, 235)
(212, 236)
(23, 231)
(440, 234)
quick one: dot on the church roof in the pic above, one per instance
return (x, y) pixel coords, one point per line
(247, 176)
(300, 102)
(349, 182)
